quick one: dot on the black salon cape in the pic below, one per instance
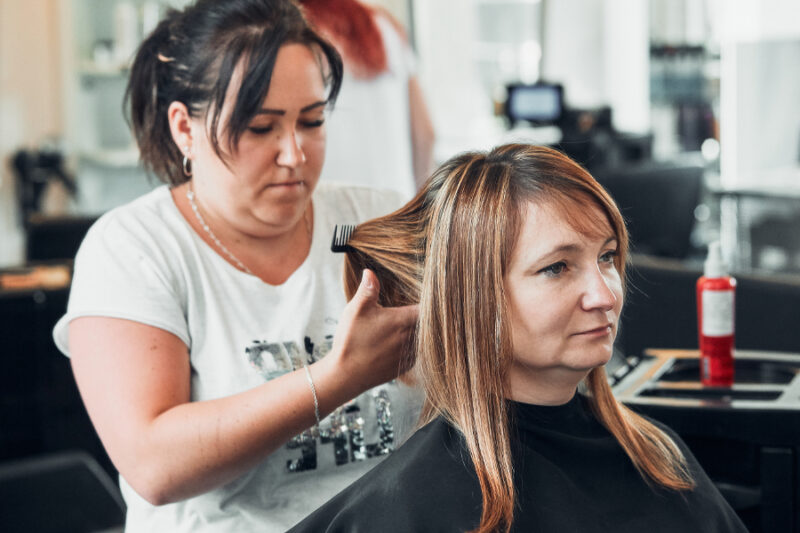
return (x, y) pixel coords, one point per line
(571, 475)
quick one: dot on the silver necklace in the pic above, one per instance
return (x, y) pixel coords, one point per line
(241, 266)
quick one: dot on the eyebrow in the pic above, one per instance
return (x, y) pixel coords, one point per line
(571, 247)
(574, 247)
(281, 112)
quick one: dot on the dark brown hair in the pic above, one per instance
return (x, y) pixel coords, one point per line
(191, 56)
(449, 250)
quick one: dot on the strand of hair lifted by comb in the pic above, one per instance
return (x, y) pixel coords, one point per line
(341, 234)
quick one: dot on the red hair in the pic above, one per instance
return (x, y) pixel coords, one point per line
(353, 29)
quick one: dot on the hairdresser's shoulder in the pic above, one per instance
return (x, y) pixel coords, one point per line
(428, 484)
(363, 203)
(149, 215)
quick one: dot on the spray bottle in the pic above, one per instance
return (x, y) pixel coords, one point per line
(715, 320)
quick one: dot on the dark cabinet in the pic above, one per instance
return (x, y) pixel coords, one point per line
(40, 407)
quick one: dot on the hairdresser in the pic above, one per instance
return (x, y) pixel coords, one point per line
(206, 326)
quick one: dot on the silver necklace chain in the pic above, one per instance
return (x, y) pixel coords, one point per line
(241, 266)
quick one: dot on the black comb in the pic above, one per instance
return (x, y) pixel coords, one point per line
(341, 234)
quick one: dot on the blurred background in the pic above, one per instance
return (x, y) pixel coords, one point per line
(687, 111)
(615, 83)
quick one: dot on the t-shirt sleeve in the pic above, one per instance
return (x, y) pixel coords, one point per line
(123, 270)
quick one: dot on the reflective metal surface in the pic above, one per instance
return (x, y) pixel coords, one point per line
(672, 377)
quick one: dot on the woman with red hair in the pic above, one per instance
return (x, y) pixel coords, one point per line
(380, 134)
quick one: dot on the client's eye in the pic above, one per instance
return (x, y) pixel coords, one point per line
(556, 269)
(608, 257)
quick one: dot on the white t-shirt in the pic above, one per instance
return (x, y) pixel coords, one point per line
(369, 129)
(143, 262)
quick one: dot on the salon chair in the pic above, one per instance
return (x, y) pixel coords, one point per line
(657, 201)
(68, 491)
(661, 308)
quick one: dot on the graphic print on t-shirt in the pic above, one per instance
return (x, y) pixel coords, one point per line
(348, 429)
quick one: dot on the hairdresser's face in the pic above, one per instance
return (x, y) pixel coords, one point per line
(565, 295)
(269, 179)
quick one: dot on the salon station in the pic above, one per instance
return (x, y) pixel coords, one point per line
(685, 111)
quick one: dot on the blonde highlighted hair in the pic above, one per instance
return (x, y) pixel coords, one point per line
(449, 249)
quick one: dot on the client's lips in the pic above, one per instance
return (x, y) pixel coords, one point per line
(294, 183)
(600, 330)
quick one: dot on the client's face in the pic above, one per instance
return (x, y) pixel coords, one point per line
(564, 295)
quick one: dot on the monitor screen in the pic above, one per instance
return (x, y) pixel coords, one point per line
(541, 103)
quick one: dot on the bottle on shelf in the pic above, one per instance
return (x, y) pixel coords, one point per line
(716, 291)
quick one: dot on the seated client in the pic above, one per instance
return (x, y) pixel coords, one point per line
(517, 259)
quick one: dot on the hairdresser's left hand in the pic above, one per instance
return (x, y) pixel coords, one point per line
(371, 345)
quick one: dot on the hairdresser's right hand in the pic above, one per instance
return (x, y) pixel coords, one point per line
(371, 345)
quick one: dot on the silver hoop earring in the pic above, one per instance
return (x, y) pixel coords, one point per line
(187, 167)
(187, 163)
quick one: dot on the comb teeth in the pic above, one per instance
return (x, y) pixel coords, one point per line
(341, 234)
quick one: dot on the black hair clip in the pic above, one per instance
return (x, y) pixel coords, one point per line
(340, 237)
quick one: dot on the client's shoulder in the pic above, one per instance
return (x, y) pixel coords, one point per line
(433, 455)
(429, 480)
